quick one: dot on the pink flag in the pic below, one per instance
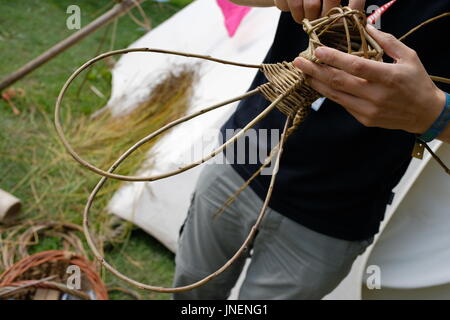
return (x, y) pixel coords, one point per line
(233, 15)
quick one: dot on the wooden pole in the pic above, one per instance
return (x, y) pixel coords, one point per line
(118, 10)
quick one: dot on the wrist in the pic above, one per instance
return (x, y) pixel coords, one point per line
(432, 112)
(441, 122)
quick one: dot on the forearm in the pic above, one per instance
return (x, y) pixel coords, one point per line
(255, 3)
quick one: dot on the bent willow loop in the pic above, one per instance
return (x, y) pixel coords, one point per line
(342, 28)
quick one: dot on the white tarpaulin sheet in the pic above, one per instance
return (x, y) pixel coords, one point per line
(414, 249)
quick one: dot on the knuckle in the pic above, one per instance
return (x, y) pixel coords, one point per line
(367, 121)
(296, 4)
(312, 5)
(357, 4)
(373, 114)
(381, 95)
(336, 81)
(310, 71)
(296, 8)
(362, 120)
(282, 5)
(298, 18)
(401, 76)
(315, 70)
(412, 54)
(356, 67)
(392, 79)
(333, 96)
(379, 98)
(390, 38)
(331, 58)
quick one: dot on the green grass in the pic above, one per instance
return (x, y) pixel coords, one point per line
(28, 28)
(144, 259)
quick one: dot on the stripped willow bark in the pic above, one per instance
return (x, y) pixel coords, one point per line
(342, 28)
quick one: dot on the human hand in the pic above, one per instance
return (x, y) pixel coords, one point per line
(313, 9)
(378, 94)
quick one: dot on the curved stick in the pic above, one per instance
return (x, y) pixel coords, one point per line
(423, 24)
(440, 79)
(93, 168)
(213, 275)
(234, 196)
(434, 155)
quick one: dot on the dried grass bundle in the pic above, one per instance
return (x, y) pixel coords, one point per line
(101, 138)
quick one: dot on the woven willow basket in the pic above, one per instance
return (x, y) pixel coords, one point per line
(48, 269)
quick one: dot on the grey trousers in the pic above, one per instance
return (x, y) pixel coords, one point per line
(288, 261)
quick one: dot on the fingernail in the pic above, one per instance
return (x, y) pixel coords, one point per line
(298, 61)
(320, 51)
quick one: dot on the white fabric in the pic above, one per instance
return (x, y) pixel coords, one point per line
(414, 250)
(411, 252)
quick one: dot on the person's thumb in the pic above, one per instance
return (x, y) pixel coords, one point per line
(390, 44)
